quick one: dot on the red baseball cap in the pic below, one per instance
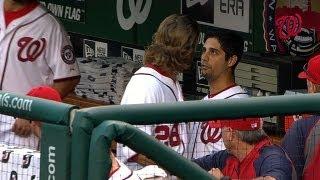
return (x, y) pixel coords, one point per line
(311, 70)
(242, 124)
(45, 92)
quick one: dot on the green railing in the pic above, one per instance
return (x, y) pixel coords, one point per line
(55, 142)
(101, 139)
(35, 108)
(87, 119)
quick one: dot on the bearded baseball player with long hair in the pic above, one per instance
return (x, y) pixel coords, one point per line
(170, 53)
(35, 50)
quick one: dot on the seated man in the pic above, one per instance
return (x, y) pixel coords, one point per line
(249, 153)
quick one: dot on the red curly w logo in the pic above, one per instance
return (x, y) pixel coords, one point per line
(209, 134)
(30, 49)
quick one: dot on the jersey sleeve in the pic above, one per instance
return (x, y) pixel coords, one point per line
(276, 164)
(60, 54)
(215, 160)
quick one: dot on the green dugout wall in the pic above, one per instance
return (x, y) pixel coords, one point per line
(259, 22)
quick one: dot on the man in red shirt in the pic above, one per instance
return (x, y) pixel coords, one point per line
(249, 153)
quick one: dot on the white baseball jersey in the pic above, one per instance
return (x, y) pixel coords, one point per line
(148, 172)
(203, 139)
(149, 86)
(19, 163)
(9, 138)
(123, 172)
(35, 50)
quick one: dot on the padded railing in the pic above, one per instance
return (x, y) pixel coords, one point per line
(101, 139)
(87, 119)
(55, 141)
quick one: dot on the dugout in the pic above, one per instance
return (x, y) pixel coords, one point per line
(273, 56)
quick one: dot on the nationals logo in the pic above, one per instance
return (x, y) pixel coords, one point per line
(67, 54)
(292, 27)
(30, 49)
(288, 26)
(209, 134)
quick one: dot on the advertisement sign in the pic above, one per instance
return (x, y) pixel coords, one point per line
(94, 48)
(72, 10)
(132, 54)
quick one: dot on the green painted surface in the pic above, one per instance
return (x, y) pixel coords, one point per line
(55, 152)
(102, 136)
(87, 119)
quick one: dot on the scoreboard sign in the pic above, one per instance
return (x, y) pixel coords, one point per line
(226, 14)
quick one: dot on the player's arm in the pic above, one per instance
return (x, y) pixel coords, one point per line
(141, 159)
(65, 86)
(275, 165)
(60, 58)
(214, 160)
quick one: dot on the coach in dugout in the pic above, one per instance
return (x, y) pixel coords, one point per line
(303, 139)
(249, 153)
(35, 50)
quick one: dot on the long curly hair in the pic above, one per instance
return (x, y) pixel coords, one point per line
(173, 45)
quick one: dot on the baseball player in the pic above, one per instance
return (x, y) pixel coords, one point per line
(170, 53)
(221, 53)
(35, 50)
(249, 153)
(8, 127)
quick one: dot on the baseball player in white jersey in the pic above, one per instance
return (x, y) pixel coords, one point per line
(170, 53)
(159, 89)
(221, 53)
(35, 50)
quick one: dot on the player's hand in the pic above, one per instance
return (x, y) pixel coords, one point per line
(36, 128)
(22, 127)
(216, 173)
